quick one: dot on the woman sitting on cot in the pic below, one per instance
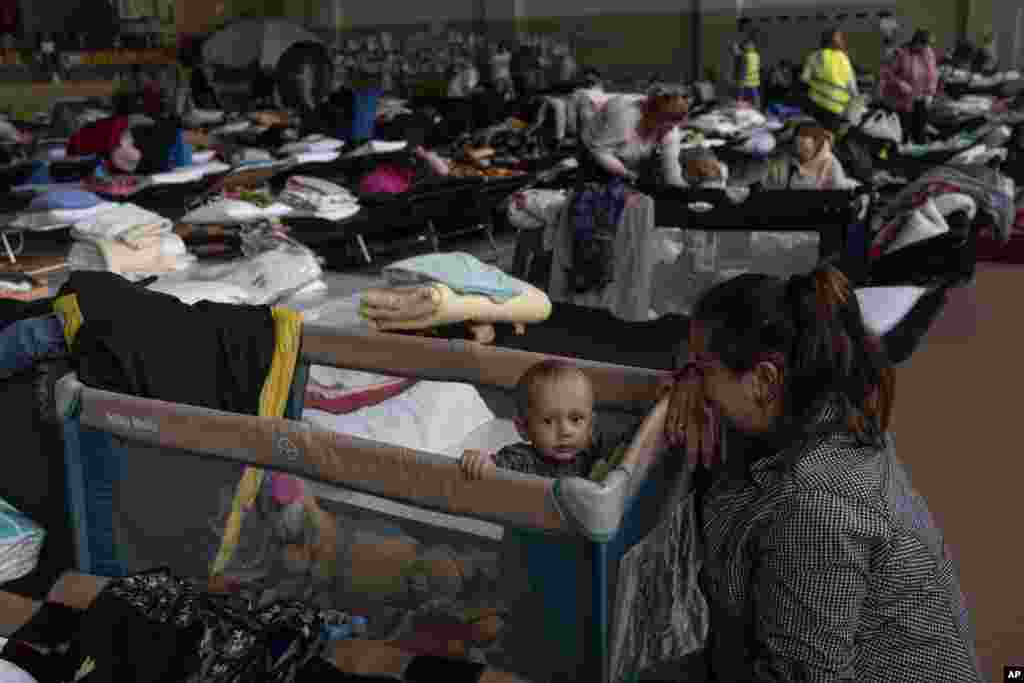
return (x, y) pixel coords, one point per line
(810, 165)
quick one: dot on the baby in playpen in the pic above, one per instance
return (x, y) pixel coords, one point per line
(555, 404)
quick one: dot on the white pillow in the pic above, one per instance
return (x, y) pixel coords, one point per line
(883, 308)
(429, 416)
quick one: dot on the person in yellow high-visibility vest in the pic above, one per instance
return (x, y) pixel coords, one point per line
(830, 79)
(748, 74)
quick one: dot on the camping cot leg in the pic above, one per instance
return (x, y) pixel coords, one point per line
(11, 253)
(363, 248)
(489, 231)
(435, 241)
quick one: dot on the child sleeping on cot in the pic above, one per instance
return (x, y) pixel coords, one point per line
(555, 402)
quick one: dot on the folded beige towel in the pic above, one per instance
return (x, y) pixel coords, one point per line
(400, 303)
(117, 257)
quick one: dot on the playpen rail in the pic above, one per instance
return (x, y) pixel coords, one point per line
(620, 387)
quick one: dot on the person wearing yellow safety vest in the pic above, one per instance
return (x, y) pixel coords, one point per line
(748, 73)
(830, 79)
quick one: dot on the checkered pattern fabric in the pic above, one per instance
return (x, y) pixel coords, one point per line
(834, 572)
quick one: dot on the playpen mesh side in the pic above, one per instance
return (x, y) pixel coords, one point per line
(523, 603)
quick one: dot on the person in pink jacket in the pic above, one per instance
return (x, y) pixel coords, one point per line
(909, 82)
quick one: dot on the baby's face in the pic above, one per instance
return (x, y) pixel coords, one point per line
(561, 419)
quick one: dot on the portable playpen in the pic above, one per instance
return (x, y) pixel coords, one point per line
(571, 571)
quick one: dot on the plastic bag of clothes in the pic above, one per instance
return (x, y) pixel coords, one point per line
(274, 268)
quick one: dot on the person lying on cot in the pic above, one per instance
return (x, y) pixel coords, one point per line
(821, 562)
(141, 149)
(555, 402)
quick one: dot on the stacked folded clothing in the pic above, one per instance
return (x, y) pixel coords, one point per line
(125, 223)
(318, 196)
(400, 303)
(463, 272)
(128, 240)
(438, 289)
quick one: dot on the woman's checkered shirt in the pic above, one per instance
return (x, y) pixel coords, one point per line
(835, 572)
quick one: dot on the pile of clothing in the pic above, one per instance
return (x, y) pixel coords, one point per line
(750, 131)
(275, 267)
(952, 75)
(319, 197)
(436, 289)
(988, 136)
(128, 240)
(119, 238)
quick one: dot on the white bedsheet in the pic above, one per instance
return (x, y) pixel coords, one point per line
(437, 417)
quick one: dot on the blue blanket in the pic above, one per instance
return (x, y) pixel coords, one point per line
(462, 272)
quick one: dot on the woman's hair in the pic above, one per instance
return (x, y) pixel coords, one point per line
(813, 324)
(921, 38)
(665, 105)
(703, 168)
(814, 130)
(834, 38)
(591, 77)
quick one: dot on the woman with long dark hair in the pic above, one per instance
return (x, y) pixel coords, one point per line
(821, 562)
